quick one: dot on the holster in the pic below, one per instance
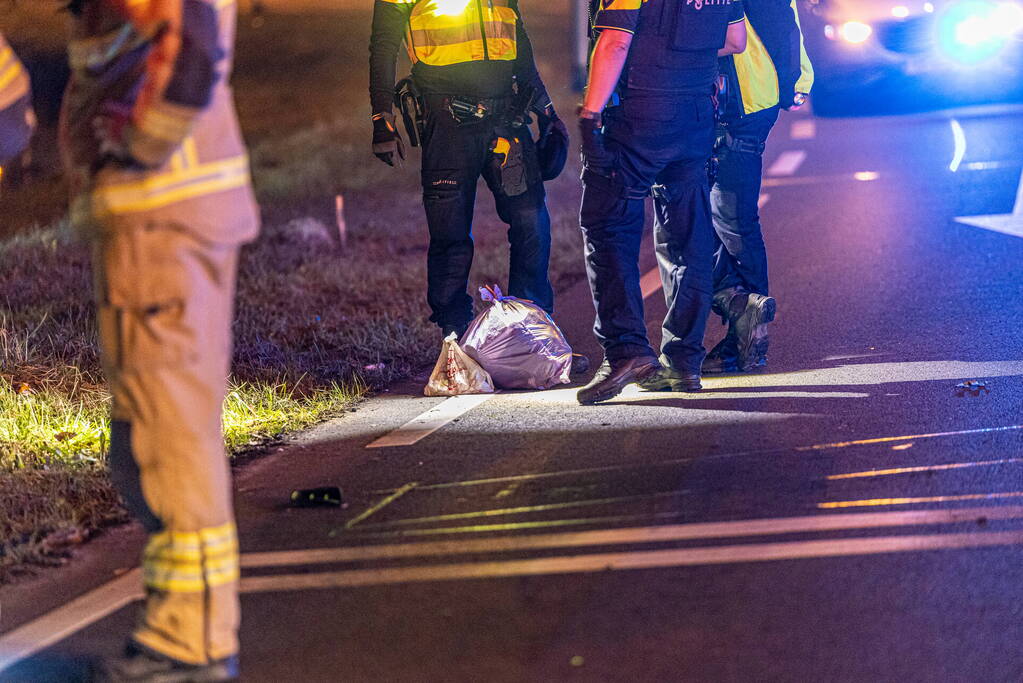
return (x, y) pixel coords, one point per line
(409, 102)
(508, 157)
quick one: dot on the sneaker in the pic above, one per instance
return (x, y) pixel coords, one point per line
(669, 379)
(142, 665)
(751, 331)
(611, 379)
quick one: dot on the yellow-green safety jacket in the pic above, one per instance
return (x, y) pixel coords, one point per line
(457, 47)
(774, 66)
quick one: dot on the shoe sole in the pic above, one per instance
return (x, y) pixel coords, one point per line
(638, 376)
(668, 384)
(753, 348)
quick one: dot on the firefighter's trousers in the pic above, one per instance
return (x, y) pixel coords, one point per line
(661, 144)
(165, 301)
(741, 257)
(454, 158)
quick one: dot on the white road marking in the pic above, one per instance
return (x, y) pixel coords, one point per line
(959, 143)
(1006, 223)
(647, 534)
(82, 612)
(650, 283)
(804, 129)
(576, 564)
(64, 621)
(787, 163)
(433, 419)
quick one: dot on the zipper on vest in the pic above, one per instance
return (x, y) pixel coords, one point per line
(483, 31)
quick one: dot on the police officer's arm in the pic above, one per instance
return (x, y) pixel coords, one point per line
(390, 22)
(735, 39)
(526, 73)
(180, 74)
(805, 82)
(16, 118)
(606, 64)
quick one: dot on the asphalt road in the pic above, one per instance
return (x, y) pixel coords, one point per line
(846, 514)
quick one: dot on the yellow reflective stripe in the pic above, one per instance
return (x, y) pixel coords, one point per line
(472, 51)
(167, 188)
(10, 68)
(190, 152)
(191, 561)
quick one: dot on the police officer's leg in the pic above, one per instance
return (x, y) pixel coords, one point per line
(164, 308)
(740, 274)
(453, 159)
(742, 259)
(522, 203)
(612, 226)
(684, 244)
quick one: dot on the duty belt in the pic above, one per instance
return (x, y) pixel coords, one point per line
(740, 144)
(467, 109)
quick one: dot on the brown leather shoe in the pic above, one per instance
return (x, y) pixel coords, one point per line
(611, 379)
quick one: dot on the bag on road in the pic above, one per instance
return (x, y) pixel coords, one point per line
(456, 373)
(518, 344)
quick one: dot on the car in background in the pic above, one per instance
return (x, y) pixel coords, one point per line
(928, 51)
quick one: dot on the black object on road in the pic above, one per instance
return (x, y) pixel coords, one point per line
(325, 496)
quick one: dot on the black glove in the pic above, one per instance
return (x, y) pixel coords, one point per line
(387, 141)
(552, 145)
(596, 156)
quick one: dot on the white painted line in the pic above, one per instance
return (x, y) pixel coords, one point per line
(64, 621)
(959, 143)
(647, 534)
(804, 129)
(82, 612)
(433, 419)
(787, 163)
(576, 564)
(650, 283)
(1006, 223)
(763, 199)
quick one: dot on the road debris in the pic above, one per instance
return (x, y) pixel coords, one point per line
(972, 387)
(324, 496)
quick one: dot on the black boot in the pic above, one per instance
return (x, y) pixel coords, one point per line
(751, 331)
(724, 357)
(669, 379)
(145, 666)
(612, 378)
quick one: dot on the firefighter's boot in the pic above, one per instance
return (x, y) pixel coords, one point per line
(143, 665)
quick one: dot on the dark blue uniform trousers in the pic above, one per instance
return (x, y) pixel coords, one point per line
(741, 257)
(454, 158)
(661, 146)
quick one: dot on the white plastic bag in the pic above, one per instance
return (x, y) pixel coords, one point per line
(518, 344)
(456, 373)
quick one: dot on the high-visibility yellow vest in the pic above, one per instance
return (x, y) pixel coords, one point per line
(445, 32)
(758, 78)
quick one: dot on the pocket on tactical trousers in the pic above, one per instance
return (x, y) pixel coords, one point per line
(147, 288)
